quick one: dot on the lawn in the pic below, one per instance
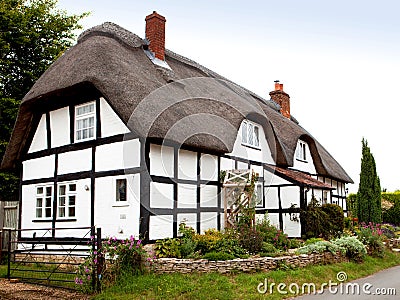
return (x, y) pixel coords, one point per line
(237, 286)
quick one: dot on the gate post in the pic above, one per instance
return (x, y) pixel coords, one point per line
(94, 256)
(100, 260)
(9, 254)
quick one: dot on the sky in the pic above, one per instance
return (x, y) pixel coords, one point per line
(338, 60)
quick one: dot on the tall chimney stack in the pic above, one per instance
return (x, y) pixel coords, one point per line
(155, 34)
(281, 98)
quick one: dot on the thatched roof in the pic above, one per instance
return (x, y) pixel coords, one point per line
(187, 103)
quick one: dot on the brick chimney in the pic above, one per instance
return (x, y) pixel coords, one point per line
(155, 34)
(281, 98)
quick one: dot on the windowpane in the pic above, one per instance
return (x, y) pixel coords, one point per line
(244, 132)
(61, 212)
(91, 132)
(71, 201)
(38, 212)
(250, 134)
(48, 202)
(61, 201)
(39, 190)
(48, 191)
(48, 212)
(71, 211)
(121, 190)
(39, 202)
(256, 137)
(62, 189)
(72, 187)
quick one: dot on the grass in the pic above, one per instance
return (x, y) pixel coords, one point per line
(237, 286)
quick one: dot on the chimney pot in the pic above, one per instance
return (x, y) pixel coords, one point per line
(155, 34)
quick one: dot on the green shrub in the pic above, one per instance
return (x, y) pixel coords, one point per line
(313, 240)
(230, 244)
(168, 248)
(295, 243)
(391, 215)
(325, 221)
(268, 248)
(335, 220)
(218, 256)
(188, 244)
(208, 241)
(355, 250)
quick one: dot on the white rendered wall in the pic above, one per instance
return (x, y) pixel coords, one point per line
(208, 220)
(75, 161)
(39, 141)
(117, 156)
(161, 195)
(117, 218)
(209, 167)
(262, 155)
(187, 164)
(42, 167)
(111, 124)
(208, 195)
(187, 195)
(227, 164)
(60, 127)
(161, 160)
(160, 227)
(308, 165)
(290, 195)
(271, 198)
(291, 228)
(189, 219)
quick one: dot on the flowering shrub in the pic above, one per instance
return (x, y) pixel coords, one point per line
(270, 234)
(372, 236)
(113, 258)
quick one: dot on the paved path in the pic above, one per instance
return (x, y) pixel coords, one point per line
(380, 286)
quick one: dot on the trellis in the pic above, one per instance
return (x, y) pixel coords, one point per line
(236, 196)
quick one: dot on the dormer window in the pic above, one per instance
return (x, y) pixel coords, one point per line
(301, 151)
(250, 134)
(85, 122)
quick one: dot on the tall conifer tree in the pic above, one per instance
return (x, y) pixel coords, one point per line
(369, 189)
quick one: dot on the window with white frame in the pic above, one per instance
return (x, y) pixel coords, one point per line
(301, 151)
(85, 121)
(250, 134)
(120, 190)
(44, 199)
(66, 200)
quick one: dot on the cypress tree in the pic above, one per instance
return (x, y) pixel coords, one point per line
(369, 189)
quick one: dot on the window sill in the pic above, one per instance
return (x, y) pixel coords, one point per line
(251, 146)
(66, 220)
(120, 205)
(42, 220)
(302, 160)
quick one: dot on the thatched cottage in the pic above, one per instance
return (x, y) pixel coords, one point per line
(123, 134)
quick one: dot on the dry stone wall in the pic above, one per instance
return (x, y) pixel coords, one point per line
(248, 265)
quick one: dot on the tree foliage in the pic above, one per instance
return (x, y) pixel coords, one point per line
(369, 189)
(33, 33)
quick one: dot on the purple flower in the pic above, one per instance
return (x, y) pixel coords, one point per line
(87, 270)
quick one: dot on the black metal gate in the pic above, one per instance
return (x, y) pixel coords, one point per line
(46, 259)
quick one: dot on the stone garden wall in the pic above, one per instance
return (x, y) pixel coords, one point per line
(248, 265)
